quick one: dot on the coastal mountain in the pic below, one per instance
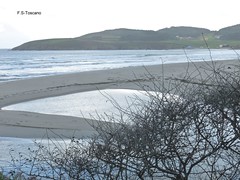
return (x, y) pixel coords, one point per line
(129, 39)
(230, 33)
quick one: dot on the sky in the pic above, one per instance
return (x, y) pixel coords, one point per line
(74, 18)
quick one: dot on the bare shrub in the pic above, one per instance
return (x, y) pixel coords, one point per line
(188, 129)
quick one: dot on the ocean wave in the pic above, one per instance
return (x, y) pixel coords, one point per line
(25, 64)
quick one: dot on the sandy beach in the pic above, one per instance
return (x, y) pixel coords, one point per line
(35, 125)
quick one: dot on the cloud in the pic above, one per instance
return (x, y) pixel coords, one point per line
(10, 37)
(2, 29)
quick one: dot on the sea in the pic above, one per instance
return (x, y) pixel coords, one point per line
(15, 65)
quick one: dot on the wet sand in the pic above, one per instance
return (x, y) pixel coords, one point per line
(35, 125)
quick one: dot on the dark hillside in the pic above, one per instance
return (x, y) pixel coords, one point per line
(130, 39)
(230, 33)
(183, 31)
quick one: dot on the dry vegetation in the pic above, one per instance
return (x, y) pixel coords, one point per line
(194, 135)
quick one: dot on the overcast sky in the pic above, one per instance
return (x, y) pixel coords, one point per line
(73, 18)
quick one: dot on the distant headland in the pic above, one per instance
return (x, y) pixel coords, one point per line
(129, 39)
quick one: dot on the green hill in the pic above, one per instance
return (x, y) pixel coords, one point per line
(230, 33)
(119, 39)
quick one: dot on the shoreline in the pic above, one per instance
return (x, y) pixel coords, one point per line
(34, 125)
